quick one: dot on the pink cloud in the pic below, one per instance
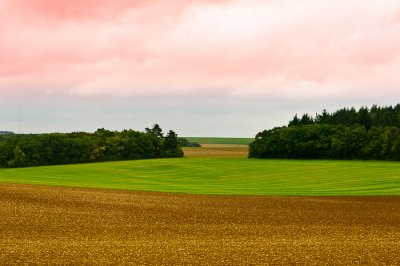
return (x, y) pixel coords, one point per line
(281, 48)
(71, 9)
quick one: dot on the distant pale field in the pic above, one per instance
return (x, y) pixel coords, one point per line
(214, 140)
(221, 169)
(217, 150)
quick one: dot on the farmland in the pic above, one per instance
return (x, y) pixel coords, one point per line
(215, 140)
(214, 206)
(217, 151)
(56, 225)
(238, 176)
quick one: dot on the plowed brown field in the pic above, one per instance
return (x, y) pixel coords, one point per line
(44, 225)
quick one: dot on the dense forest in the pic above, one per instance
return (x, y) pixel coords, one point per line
(80, 147)
(370, 134)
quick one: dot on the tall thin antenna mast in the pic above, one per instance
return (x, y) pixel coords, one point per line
(20, 118)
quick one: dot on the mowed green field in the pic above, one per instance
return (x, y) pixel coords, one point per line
(235, 176)
(213, 140)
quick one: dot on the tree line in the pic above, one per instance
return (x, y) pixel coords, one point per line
(370, 134)
(376, 116)
(80, 147)
(2, 132)
(186, 143)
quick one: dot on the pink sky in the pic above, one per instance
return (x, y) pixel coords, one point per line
(273, 49)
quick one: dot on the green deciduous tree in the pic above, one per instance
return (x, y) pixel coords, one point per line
(81, 147)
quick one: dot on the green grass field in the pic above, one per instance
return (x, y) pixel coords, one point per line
(239, 176)
(212, 140)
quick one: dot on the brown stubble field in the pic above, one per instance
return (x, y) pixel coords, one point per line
(46, 225)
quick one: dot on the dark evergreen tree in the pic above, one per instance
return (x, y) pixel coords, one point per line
(172, 146)
(306, 120)
(323, 118)
(364, 118)
(295, 121)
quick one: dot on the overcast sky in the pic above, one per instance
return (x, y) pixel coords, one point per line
(199, 67)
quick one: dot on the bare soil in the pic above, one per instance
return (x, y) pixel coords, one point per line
(47, 225)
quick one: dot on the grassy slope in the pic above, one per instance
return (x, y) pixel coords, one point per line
(212, 140)
(222, 176)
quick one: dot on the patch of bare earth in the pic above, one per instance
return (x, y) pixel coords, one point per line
(43, 225)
